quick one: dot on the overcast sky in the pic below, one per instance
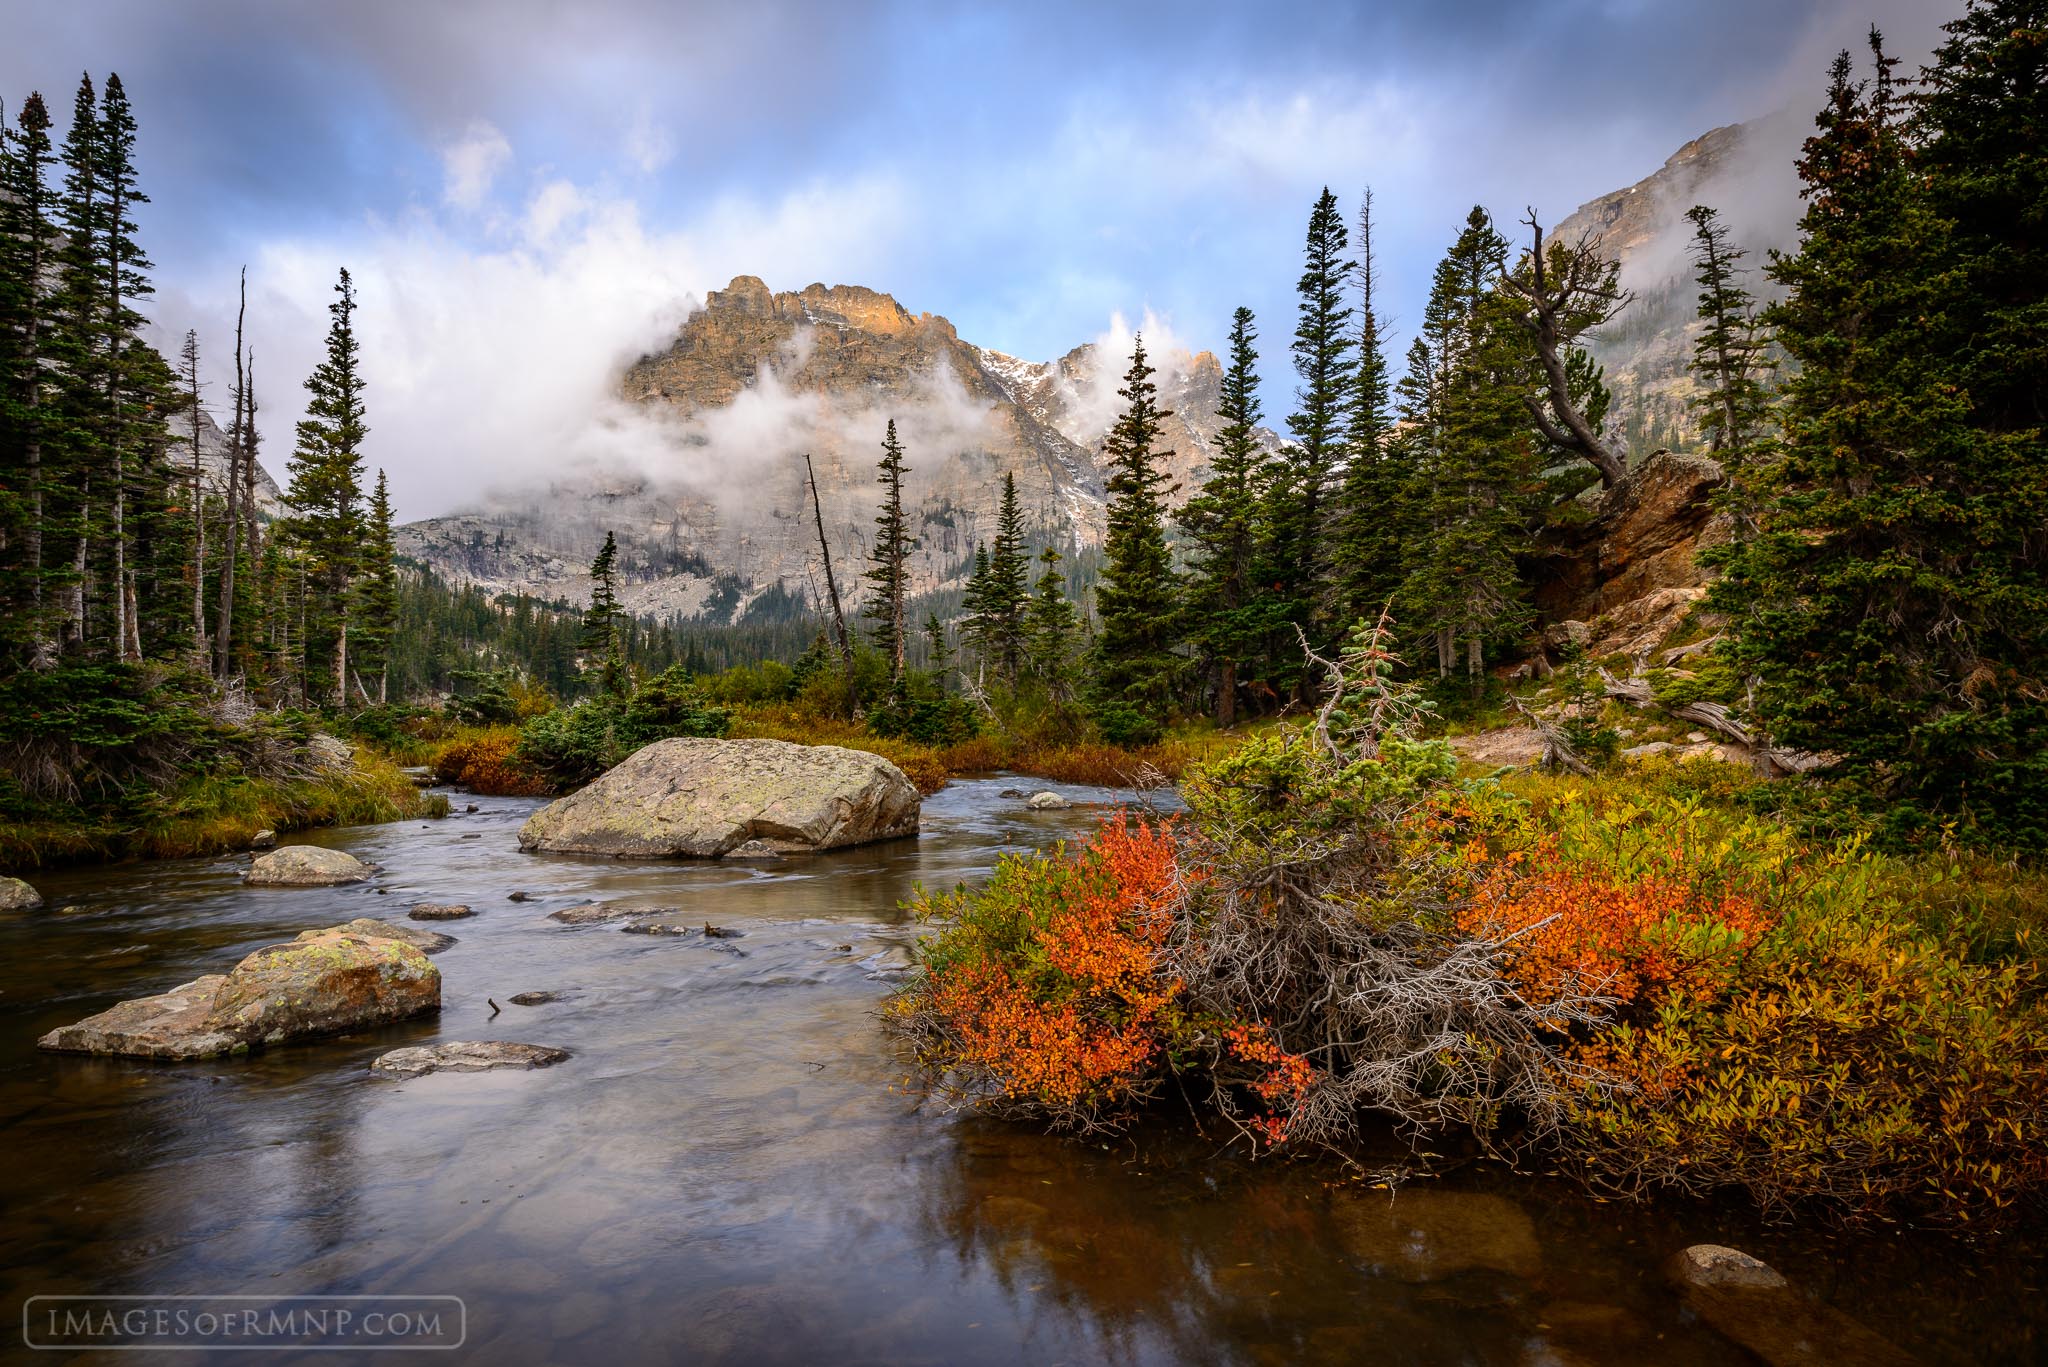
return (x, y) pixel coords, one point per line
(529, 193)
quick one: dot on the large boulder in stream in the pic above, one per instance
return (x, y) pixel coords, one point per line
(322, 986)
(306, 866)
(702, 799)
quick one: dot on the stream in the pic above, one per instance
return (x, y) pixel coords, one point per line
(729, 1168)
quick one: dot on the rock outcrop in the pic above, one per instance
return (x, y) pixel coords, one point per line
(305, 866)
(324, 985)
(700, 799)
(1622, 582)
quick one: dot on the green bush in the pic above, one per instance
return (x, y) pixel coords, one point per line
(573, 745)
(940, 720)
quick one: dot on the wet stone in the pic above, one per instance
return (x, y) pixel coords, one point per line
(1748, 1301)
(590, 913)
(533, 998)
(16, 895)
(439, 911)
(305, 866)
(466, 1056)
(425, 941)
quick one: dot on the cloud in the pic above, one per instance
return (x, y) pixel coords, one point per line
(497, 365)
(471, 163)
(648, 144)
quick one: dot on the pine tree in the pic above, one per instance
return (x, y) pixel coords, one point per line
(78, 370)
(974, 614)
(1372, 534)
(1893, 609)
(938, 654)
(135, 378)
(1227, 615)
(1729, 364)
(1473, 456)
(1134, 664)
(1007, 588)
(378, 597)
(888, 573)
(325, 495)
(601, 637)
(28, 246)
(1323, 346)
(1051, 631)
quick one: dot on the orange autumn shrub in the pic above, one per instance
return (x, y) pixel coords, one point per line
(1575, 926)
(1043, 994)
(485, 764)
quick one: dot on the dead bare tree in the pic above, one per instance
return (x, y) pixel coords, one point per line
(831, 584)
(237, 448)
(1565, 291)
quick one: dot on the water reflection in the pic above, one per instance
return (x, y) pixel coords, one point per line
(723, 1172)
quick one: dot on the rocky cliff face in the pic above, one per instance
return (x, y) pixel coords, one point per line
(1745, 171)
(213, 461)
(722, 521)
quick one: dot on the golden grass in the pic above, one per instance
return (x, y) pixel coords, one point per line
(214, 815)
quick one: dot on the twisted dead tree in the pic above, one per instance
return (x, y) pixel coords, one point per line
(1563, 291)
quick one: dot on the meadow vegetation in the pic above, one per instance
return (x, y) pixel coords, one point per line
(1646, 977)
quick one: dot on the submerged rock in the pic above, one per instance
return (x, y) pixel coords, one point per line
(533, 998)
(425, 941)
(702, 799)
(329, 983)
(589, 913)
(1048, 802)
(466, 1056)
(1427, 1235)
(305, 866)
(1748, 1301)
(439, 911)
(16, 895)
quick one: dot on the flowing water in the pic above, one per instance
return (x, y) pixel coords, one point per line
(728, 1170)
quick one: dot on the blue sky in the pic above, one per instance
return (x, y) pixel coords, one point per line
(531, 192)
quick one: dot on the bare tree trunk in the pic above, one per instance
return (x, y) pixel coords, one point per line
(1226, 696)
(225, 619)
(199, 645)
(341, 661)
(74, 629)
(831, 584)
(249, 528)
